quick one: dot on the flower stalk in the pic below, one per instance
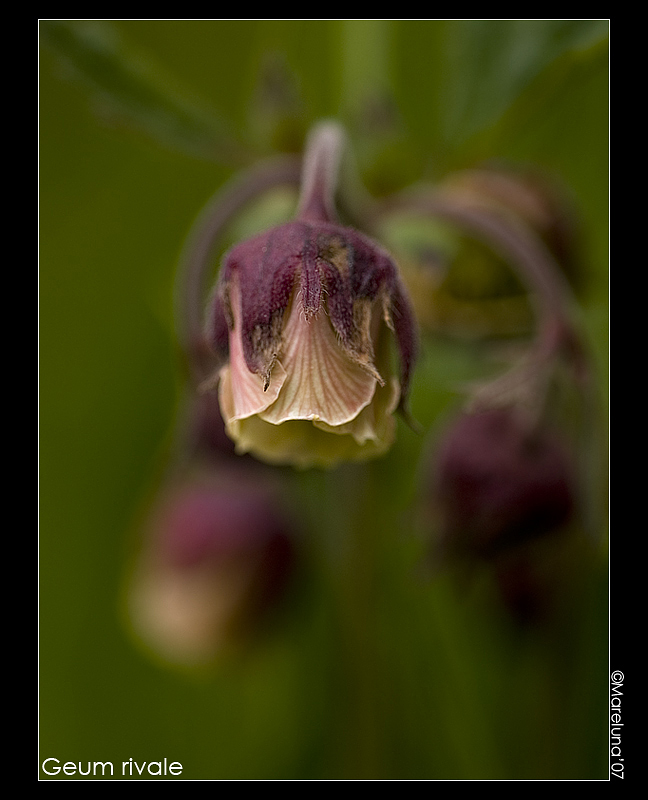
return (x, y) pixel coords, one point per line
(320, 174)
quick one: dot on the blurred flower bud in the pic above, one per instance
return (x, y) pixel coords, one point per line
(309, 307)
(218, 558)
(500, 483)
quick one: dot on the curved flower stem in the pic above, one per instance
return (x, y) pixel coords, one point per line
(557, 335)
(526, 253)
(324, 149)
(196, 259)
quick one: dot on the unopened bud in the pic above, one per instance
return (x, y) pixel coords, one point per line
(218, 558)
(500, 483)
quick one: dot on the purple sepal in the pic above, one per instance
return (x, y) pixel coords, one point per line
(319, 264)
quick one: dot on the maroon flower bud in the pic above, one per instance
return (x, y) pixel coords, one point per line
(308, 308)
(218, 558)
(500, 483)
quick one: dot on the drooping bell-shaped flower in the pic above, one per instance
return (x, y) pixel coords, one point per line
(304, 314)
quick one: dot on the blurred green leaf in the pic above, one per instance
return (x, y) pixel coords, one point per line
(129, 86)
(491, 62)
(464, 75)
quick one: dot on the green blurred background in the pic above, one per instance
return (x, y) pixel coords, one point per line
(376, 669)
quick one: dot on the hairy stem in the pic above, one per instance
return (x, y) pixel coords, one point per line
(320, 173)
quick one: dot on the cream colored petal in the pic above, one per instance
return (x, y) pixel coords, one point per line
(301, 444)
(374, 423)
(225, 398)
(241, 391)
(322, 383)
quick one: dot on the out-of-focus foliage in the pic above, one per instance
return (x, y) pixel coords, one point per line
(376, 666)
